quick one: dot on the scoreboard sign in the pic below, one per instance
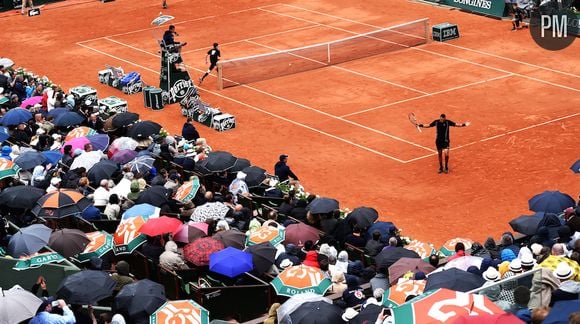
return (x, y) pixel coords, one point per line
(444, 32)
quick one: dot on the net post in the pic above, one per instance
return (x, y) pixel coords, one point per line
(426, 30)
(220, 82)
(328, 52)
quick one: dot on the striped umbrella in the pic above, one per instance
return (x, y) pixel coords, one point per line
(188, 190)
(100, 243)
(448, 247)
(60, 204)
(141, 164)
(180, 311)
(82, 131)
(8, 168)
(127, 237)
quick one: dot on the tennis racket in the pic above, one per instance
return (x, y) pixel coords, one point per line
(413, 121)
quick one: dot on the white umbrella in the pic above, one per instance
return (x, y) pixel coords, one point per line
(462, 263)
(17, 305)
(122, 188)
(6, 62)
(212, 210)
(294, 302)
(123, 143)
(87, 160)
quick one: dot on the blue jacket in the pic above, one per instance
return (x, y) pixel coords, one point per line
(47, 318)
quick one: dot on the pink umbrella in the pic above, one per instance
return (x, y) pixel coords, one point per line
(76, 143)
(189, 232)
(31, 101)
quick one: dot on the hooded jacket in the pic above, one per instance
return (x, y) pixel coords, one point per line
(170, 259)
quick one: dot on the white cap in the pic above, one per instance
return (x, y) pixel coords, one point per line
(349, 314)
(55, 181)
(491, 274)
(563, 271)
(241, 175)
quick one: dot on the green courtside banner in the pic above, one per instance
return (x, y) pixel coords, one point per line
(494, 8)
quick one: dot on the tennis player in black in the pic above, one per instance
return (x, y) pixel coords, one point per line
(214, 56)
(442, 140)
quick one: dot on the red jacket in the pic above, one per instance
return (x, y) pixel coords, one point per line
(459, 254)
(311, 259)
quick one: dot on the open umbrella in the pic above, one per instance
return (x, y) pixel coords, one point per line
(295, 301)
(100, 243)
(211, 210)
(388, 257)
(76, 143)
(464, 262)
(387, 229)
(443, 306)
(8, 168)
(20, 196)
(552, 261)
(560, 312)
(180, 311)
(364, 216)
(231, 238)
(448, 247)
(187, 190)
(16, 116)
(86, 160)
(124, 119)
(99, 141)
(454, 279)
(6, 62)
(57, 111)
(137, 301)
(17, 305)
(155, 195)
(103, 169)
(322, 205)
(160, 226)
(4, 135)
(263, 256)
(423, 249)
(124, 156)
(144, 210)
(575, 167)
(60, 204)
(240, 165)
(551, 202)
(37, 260)
(505, 318)
(218, 161)
(144, 129)
(367, 315)
(86, 287)
(274, 235)
(230, 262)
(31, 101)
(52, 157)
(254, 176)
(141, 164)
(299, 233)
(198, 251)
(68, 242)
(122, 143)
(29, 159)
(397, 294)
(318, 312)
(299, 279)
(127, 236)
(69, 118)
(82, 131)
(28, 240)
(404, 265)
(189, 232)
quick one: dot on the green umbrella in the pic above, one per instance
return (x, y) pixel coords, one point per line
(37, 260)
(301, 279)
(8, 168)
(100, 243)
(180, 311)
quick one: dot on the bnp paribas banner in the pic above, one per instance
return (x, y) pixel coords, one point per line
(494, 8)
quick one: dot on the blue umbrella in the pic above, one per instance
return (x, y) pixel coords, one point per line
(29, 240)
(16, 116)
(561, 311)
(551, 202)
(57, 112)
(68, 118)
(230, 262)
(4, 134)
(387, 229)
(322, 205)
(576, 167)
(527, 224)
(99, 141)
(29, 159)
(454, 279)
(52, 157)
(145, 210)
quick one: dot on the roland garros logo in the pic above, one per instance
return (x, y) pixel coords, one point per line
(178, 313)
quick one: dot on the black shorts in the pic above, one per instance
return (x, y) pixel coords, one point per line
(442, 145)
(212, 65)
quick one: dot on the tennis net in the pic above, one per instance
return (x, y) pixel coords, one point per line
(279, 63)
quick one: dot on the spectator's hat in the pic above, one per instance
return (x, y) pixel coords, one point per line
(286, 263)
(516, 265)
(283, 157)
(528, 260)
(37, 106)
(420, 275)
(507, 255)
(349, 314)
(563, 271)
(45, 302)
(55, 181)
(240, 175)
(536, 248)
(491, 274)
(78, 152)
(40, 131)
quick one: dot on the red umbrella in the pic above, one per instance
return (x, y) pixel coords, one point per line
(198, 251)
(160, 226)
(300, 233)
(504, 318)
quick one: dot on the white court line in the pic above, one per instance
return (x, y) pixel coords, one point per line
(444, 43)
(345, 69)
(257, 108)
(427, 95)
(428, 51)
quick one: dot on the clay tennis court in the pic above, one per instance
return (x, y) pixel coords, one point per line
(345, 127)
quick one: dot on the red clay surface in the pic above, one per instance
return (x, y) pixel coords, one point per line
(345, 128)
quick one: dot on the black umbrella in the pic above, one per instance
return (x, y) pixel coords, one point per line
(104, 169)
(364, 216)
(144, 129)
(155, 195)
(218, 161)
(200, 168)
(30, 159)
(527, 224)
(368, 314)
(124, 119)
(263, 256)
(231, 238)
(240, 165)
(28, 240)
(551, 202)
(137, 301)
(454, 279)
(322, 205)
(68, 242)
(254, 176)
(68, 118)
(317, 312)
(20, 196)
(391, 255)
(86, 287)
